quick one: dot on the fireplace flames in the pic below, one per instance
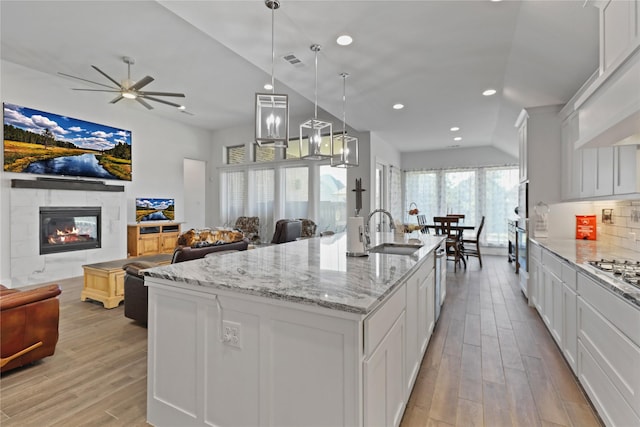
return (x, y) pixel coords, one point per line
(71, 235)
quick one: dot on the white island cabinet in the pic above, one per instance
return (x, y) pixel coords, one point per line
(289, 335)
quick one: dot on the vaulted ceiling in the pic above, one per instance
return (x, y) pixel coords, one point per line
(435, 57)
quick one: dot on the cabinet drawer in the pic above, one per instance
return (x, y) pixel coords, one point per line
(615, 354)
(569, 276)
(618, 312)
(613, 409)
(552, 263)
(378, 323)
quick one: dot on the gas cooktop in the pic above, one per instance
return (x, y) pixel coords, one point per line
(627, 271)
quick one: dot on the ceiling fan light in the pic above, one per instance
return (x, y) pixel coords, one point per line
(129, 95)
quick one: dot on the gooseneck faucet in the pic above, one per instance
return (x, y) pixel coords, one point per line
(367, 234)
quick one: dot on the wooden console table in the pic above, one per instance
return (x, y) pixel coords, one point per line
(104, 281)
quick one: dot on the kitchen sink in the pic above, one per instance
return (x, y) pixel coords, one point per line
(395, 249)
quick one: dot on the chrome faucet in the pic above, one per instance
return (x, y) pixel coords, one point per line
(367, 234)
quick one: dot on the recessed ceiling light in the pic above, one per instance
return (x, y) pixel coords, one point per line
(489, 92)
(454, 129)
(457, 138)
(398, 106)
(268, 86)
(344, 40)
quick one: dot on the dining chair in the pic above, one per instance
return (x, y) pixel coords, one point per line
(422, 222)
(459, 216)
(475, 250)
(444, 226)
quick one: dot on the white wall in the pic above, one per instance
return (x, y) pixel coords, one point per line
(158, 145)
(458, 157)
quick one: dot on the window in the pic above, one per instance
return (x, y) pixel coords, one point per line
(491, 192)
(501, 200)
(233, 196)
(261, 196)
(460, 194)
(296, 192)
(332, 213)
(235, 154)
(421, 188)
(263, 154)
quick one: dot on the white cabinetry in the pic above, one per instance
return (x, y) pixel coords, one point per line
(571, 159)
(384, 393)
(626, 169)
(420, 308)
(540, 153)
(522, 145)
(609, 108)
(558, 302)
(609, 353)
(536, 287)
(596, 172)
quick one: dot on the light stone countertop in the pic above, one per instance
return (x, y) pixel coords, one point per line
(579, 252)
(312, 271)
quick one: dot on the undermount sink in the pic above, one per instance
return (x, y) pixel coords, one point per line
(395, 249)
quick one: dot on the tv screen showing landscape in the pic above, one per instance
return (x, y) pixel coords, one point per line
(148, 209)
(50, 144)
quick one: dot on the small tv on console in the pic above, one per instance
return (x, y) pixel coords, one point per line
(44, 143)
(154, 209)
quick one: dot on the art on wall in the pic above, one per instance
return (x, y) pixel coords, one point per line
(44, 143)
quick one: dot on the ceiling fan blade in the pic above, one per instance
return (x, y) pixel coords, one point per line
(85, 80)
(181, 95)
(141, 83)
(97, 90)
(105, 74)
(146, 104)
(150, 98)
(116, 99)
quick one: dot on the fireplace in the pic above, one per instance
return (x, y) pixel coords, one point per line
(64, 229)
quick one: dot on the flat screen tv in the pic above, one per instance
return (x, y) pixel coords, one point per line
(148, 209)
(44, 143)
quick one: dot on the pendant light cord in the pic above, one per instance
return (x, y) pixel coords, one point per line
(273, 50)
(316, 48)
(344, 102)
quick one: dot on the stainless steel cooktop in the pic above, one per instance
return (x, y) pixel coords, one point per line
(625, 270)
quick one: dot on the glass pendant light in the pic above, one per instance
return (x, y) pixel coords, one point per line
(344, 148)
(311, 131)
(272, 110)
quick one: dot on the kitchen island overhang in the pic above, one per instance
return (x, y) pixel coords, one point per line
(293, 334)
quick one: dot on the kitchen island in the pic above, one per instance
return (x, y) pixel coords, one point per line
(296, 334)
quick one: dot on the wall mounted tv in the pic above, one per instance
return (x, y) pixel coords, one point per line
(49, 144)
(148, 209)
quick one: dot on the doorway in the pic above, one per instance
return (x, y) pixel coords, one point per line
(194, 179)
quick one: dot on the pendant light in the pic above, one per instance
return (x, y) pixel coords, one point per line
(344, 148)
(312, 130)
(272, 110)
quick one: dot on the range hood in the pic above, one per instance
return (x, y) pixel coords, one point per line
(609, 109)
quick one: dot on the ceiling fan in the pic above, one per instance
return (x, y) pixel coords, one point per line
(130, 89)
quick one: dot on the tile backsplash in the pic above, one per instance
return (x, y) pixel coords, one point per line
(624, 230)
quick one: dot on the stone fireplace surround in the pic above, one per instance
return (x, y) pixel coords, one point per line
(28, 267)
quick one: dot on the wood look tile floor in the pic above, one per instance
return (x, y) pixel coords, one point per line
(490, 362)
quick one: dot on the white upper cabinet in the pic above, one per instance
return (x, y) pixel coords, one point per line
(618, 31)
(626, 169)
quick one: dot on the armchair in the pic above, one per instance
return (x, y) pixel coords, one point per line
(28, 325)
(287, 230)
(136, 294)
